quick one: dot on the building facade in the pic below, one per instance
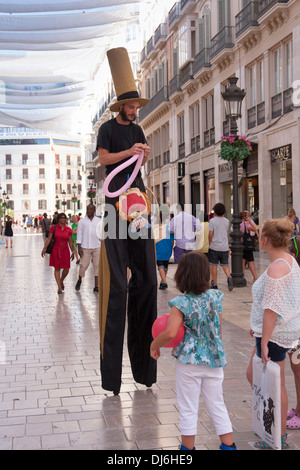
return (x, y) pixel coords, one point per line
(39, 173)
(184, 71)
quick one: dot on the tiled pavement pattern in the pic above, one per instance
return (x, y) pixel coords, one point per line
(50, 392)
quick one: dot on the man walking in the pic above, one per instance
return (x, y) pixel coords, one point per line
(88, 244)
(118, 140)
(184, 226)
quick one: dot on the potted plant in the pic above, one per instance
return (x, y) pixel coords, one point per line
(234, 148)
(91, 193)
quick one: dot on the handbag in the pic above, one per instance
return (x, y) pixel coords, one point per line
(50, 246)
(247, 240)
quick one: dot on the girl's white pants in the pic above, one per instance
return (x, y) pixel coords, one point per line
(191, 380)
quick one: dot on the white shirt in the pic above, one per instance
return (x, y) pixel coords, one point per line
(184, 226)
(87, 232)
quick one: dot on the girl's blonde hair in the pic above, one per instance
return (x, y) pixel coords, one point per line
(278, 232)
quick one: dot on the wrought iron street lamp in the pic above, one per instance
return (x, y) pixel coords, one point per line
(233, 97)
(74, 198)
(91, 192)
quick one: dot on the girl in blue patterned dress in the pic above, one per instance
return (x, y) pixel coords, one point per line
(200, 355)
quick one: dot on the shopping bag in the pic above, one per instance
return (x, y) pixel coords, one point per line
(266, 402)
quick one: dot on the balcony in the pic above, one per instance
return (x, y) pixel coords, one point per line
(246, 18)
(174, 15)
(160, 97)
(282, 103)
(195, 144)
(174, 86)
(222, 40)
(151, 51)
(160, 35)
(256, 115)
(201, 60)
(209, 137)
(265, 5)
(185, 74)
(187, 5)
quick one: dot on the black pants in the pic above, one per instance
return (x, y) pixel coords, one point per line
(115, 257)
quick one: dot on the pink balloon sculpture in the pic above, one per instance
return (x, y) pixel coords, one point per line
(160, 325)
(138, 158)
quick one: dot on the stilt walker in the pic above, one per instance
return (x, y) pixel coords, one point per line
(127, 238)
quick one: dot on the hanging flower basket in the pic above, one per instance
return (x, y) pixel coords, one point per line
(64, 203)
(4, 204)
(234, 148)
(91, 193)
(57, 205)
(74, 199)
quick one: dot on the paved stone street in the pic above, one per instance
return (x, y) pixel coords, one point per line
(50, 392)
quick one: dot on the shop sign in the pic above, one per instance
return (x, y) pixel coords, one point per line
(225, 171)
(281, 154)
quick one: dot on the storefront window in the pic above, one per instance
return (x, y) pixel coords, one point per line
(282, 190)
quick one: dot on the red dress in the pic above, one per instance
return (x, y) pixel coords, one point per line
(60, 256)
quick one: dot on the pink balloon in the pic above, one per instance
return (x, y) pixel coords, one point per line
(160, 325)
(138, 158)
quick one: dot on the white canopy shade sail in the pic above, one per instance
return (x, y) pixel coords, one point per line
(50, 51)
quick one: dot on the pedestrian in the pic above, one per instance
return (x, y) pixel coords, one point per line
(293, 217)
(8, 231)
(28, 223)
(184, 226)
(118, 140)
(74, 226)
(88, 244)
(246, 227)
(60, 256)
(275, 314)
(55, 218)
(293, 415)
(45, 224)
(202, 238)
(164, 250)
(200, 355)
(218, 245)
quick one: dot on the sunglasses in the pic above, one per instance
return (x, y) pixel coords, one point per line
(295, 244)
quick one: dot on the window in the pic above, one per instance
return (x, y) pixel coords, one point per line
(42, 204)
(277, 71)
(42, 188)
(252, 86)
(209, 120)
(195, 127)
(181, 143)
(255, 97)
(224, 13)
(8, 159)
(41, 159)
(8, 175)
(69, 177)
(25, 173)
(165, 144)
(68, 160)
(26, 188)
(41, 173)
(24, 159)
(9, 189)
(57, 173)
(288, 65)
(69, 190)
(157, 149)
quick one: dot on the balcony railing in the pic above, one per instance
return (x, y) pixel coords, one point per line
(246, 18)
(222, 40)
(202, 59)
(185, 74)
(174, 14)
(161, 96)
(160, 33)
(256, 115)
(265, 5)
(209, 137)
(282, 103)
(195, 144)
(174, 85)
